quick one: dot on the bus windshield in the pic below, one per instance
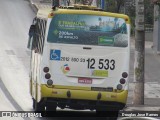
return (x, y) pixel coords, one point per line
(88, 30)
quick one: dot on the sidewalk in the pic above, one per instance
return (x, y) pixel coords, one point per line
(152, 92)
(152, 88)
(148, 44)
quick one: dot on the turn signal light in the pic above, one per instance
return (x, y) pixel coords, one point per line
(46, 69)
(50, 15)
(122, 81)
(126, 19)
(124, 75)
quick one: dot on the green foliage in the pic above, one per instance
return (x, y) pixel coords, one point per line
(149, 12)
(114, 5)
(117, 6)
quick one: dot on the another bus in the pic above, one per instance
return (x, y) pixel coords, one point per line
(79, 59)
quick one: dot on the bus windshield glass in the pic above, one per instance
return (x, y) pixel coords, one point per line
(88, 30)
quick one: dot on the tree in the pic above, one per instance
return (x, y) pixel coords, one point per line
(131, 13)
(149, 10)
(114, 5)
(119, 4)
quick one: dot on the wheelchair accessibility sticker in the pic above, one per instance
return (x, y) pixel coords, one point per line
(55, 55)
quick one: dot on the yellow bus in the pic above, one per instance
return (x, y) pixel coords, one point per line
(79, 59)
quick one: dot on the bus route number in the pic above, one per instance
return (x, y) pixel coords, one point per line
(103, 64)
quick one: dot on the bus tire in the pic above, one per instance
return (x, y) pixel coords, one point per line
(33, 105)
(51, 108)
(108, 115)
(39, 107)
(51, 111)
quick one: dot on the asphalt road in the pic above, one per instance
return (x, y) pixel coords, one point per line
(15, 19)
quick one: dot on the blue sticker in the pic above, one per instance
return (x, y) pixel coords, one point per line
(55, 55)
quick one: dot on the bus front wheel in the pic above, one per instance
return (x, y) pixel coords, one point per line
(51, 108)
(33, 100)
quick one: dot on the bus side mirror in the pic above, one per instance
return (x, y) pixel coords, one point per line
(31, 36)
(32, 30)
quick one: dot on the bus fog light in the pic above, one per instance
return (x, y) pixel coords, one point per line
(47, 76)
(49, 82)
(122, 81)
(119, 87)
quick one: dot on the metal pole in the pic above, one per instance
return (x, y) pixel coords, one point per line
(138, 98)
(102, 4)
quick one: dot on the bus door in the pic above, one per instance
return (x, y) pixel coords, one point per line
(32, 45)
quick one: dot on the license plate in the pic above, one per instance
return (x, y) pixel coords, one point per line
(85, 80)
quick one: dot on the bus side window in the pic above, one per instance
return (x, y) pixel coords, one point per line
(43, 34)
(37, 35)
(40, 34)
(32, 30)
(31, 36)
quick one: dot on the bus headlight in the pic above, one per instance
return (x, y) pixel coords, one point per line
(49, 82)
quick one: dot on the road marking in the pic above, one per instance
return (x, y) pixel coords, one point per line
(10, 52)
(10, 98)
(28, 53)
(4, 102)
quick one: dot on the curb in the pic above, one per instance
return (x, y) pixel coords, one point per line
(131, 107)
(141, 108)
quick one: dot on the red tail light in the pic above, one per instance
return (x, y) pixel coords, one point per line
(124, 75)
(47, 76)
(46, 69)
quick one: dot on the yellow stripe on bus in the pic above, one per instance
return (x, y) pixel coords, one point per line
(91, 12)
(46, 13)
(83, 94)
